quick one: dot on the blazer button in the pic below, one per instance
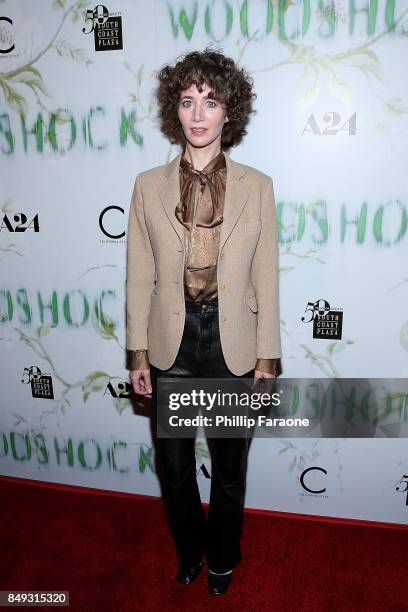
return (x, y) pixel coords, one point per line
(224, 287)
(224, 318)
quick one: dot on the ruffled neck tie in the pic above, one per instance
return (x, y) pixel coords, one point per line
(211, 183)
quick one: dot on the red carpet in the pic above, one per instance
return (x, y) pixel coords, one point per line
(114, 552)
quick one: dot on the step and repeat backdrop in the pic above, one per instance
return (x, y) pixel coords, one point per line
(78, 122)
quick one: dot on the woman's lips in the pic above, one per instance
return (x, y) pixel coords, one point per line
(198, 130)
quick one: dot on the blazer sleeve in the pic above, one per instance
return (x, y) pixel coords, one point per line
(140, 273)
(265, 279)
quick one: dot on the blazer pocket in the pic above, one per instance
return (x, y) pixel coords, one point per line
(253, 226)
(252, 303)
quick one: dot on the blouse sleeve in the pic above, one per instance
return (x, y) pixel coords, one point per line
(268, 365)
(139, 360)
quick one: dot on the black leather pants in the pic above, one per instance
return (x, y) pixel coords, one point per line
(200, 355)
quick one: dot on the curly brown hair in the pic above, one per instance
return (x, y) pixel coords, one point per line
(229, 85)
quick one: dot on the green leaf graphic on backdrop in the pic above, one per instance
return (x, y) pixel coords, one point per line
(27, 77)
(137, 97)
(325, 362)
(64, 49)
(362, 58)
(404, 336)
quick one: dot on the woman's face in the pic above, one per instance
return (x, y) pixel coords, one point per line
(202, 118)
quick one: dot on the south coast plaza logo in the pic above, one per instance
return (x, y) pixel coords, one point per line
(107, 28)
(327, 321)
(41, 384)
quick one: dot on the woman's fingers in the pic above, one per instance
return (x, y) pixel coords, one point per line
(141, 382)
(263, 382)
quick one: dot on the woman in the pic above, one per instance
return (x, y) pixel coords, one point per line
(202, 291)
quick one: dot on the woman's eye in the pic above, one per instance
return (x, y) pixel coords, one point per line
(210, 103)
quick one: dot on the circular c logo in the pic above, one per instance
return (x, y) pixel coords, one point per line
(302, 479)
(101, 216)
(10, 49)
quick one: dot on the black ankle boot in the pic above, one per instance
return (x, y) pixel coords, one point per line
(186, 575)
(218, 583)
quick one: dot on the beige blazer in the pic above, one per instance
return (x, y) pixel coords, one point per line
(248, 296)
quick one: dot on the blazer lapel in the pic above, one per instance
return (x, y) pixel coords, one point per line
(236, 196)
(170, 195)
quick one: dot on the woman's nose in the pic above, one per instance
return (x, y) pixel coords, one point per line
(197, 112)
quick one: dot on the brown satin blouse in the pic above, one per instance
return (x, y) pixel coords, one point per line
(200, 210)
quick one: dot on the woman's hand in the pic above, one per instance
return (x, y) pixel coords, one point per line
(266, 385)
(141, 381)
(259, 374)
